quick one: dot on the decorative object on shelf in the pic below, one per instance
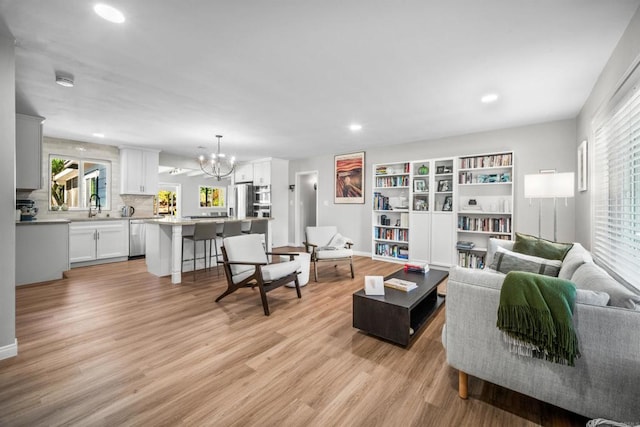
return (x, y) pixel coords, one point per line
(217, 165)
(349, 178)
(549, 185)
(444, 185)
(448, 204)
(421, 205)
(419, 185)
(440, 170)
(583, 169)
(423, 170)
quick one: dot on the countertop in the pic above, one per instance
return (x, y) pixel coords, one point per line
(43, 222)
(68, 220)
(189, 221)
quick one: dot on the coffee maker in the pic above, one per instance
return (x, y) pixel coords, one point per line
(27, 208)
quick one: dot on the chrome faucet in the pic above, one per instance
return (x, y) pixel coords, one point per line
(94, 213)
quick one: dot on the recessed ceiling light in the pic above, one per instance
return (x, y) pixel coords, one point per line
(109, 13)
(66, 81)
(355, 127)
(98, 135)
(489, 98)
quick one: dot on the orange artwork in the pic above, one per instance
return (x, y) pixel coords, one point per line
(349, 178)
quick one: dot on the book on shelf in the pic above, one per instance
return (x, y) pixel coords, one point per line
(416, 267)
(465, 245)
(399, 284)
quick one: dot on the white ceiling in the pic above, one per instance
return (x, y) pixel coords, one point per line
(286, 78)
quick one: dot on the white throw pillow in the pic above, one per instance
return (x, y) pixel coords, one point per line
(494, 244)
(505, 261)
(338, 241)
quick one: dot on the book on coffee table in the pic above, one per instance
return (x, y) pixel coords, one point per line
(399, 284)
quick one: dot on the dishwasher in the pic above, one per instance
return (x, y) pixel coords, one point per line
(136, 238)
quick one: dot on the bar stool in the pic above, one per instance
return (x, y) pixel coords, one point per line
(259, 226)
(202, 232)
(229, 228)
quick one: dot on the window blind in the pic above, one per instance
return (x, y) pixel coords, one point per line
(616, 184)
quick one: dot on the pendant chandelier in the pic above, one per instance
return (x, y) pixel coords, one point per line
(217, 164)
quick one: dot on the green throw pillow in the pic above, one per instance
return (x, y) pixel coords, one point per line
(535, 246)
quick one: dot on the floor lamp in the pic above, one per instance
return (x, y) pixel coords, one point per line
(549, 185)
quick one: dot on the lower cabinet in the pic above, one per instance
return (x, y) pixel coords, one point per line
(98, 240)
(442, 244)
(42, 251)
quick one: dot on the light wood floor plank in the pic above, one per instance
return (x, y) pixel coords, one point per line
(113, 345)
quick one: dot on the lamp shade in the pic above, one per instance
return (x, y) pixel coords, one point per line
(549, 185)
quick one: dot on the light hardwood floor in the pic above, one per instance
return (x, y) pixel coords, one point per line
(113, 345)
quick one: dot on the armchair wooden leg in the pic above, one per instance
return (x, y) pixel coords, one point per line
(298, 287)
(463, 385)
(263, 296)
(315, 270)
(351, 263)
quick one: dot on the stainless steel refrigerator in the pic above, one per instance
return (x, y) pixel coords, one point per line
(243, 200)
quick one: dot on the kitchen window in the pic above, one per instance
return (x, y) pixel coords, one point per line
(76, 183)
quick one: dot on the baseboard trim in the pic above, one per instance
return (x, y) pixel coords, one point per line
(10, 350)
(360, 253)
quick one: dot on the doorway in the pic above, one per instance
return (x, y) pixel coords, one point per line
(168, 199)
(306, 203)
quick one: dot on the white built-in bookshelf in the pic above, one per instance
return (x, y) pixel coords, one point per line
(421, 208)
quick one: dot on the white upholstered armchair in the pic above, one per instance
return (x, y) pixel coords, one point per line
(246, 265)
(326, 244)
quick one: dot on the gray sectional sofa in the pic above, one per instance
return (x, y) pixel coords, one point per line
(605, 382)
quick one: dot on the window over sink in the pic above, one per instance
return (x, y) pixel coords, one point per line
(76, 184)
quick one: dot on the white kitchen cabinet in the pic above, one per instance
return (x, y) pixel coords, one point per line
(262, 173)
(28, 152)
(244, 172)
(98, 240)
(42, 251)
(138, 171)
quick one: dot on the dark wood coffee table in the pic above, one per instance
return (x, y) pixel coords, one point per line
(398, 316)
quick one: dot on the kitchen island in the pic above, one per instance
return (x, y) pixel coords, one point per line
(164, 243)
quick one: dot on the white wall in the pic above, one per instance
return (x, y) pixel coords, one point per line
(7, 208)
(541, 146)
(624, 57)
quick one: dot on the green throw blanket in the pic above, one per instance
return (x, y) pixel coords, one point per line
(535, 312)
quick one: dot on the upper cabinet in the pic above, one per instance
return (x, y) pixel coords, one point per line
(262, 173)
(244, 172)
(28, 152)
(139, 171)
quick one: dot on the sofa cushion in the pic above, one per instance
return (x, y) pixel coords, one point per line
(577, 256)
(494, 244)
(584, 296)
(505, 261)
(592, 277)
(531, 245)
